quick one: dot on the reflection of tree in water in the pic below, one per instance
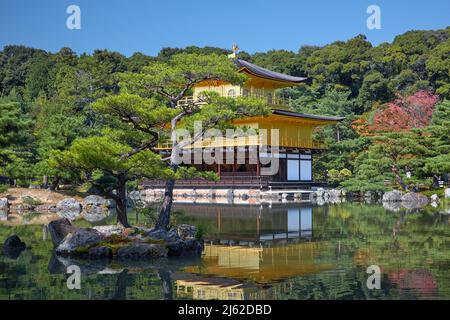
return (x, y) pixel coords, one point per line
(120, 292)
(166, 282)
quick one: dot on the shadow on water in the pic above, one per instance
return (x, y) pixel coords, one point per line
(282, 251)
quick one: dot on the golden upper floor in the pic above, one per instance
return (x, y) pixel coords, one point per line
(295, 129)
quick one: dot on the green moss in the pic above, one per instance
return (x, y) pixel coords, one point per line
(114, 247)
(82, 250)
(82, 223)
(154, 241)
(32, 202)
(114, 242)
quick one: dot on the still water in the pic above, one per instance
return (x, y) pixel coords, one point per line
(283, 251)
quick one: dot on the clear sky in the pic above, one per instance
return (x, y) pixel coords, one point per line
(255, 25)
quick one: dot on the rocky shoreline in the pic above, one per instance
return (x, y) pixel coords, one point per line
(94, 208)
(109, 242)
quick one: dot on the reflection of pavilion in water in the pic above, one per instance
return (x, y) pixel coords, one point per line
(200, 287)
(250, 225)
(250, 251)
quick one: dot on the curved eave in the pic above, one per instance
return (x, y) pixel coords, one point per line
(260, 72)
(287, 113)
(286, 83)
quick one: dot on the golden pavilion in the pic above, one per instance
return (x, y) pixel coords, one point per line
(296, 144)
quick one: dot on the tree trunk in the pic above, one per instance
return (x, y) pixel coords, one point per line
(398, 178)
(54, 185)
(120, 292)
(121, 201)
(435, 181)
(166, 281)
(166, 207)
(45, 182)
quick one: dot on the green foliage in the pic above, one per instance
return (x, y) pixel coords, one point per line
(374, 88)
(16, 150)
(200, 232)
(339, 176)
(439, 131)
(3, 188)
(387, 160)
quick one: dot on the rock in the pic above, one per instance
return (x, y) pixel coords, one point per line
(184, 247)
(334, 193)
(79, 241)
(434, 198)
(28, 199)
(142, 251)
(13, 247)
(14, 242)
(135, 199)
(3, 215)
(4, 204)
(320, 201)
(392, 196)
(394, 206)
(97, 208)
(68, 208)
(100, 253)
(447, 193)
(59, 264)
(413, 200)
(59, 229)
(192, 246)
(320, 192)
(160, 234)
(25, 207)
(175, 248)
(94, 202)
(99, 217)
(109, 230)
(186, 231)
(369, 194)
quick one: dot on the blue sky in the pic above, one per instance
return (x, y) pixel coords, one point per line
(255, 25)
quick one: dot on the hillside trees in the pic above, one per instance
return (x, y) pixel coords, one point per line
(16, 150)
(439, 133)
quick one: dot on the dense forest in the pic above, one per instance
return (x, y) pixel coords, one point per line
(395, 98)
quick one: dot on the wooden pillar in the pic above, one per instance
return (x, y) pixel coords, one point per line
(218, 169)
(258, 165)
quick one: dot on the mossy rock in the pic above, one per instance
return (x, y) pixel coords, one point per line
(142, 251)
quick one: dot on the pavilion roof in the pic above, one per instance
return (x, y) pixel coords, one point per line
(266, 73)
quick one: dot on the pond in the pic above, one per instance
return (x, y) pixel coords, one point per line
(282, 251)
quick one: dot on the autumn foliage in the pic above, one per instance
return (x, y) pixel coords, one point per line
(402, 114)
(405, 113)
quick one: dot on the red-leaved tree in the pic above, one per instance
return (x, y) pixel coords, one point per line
(405, 113)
